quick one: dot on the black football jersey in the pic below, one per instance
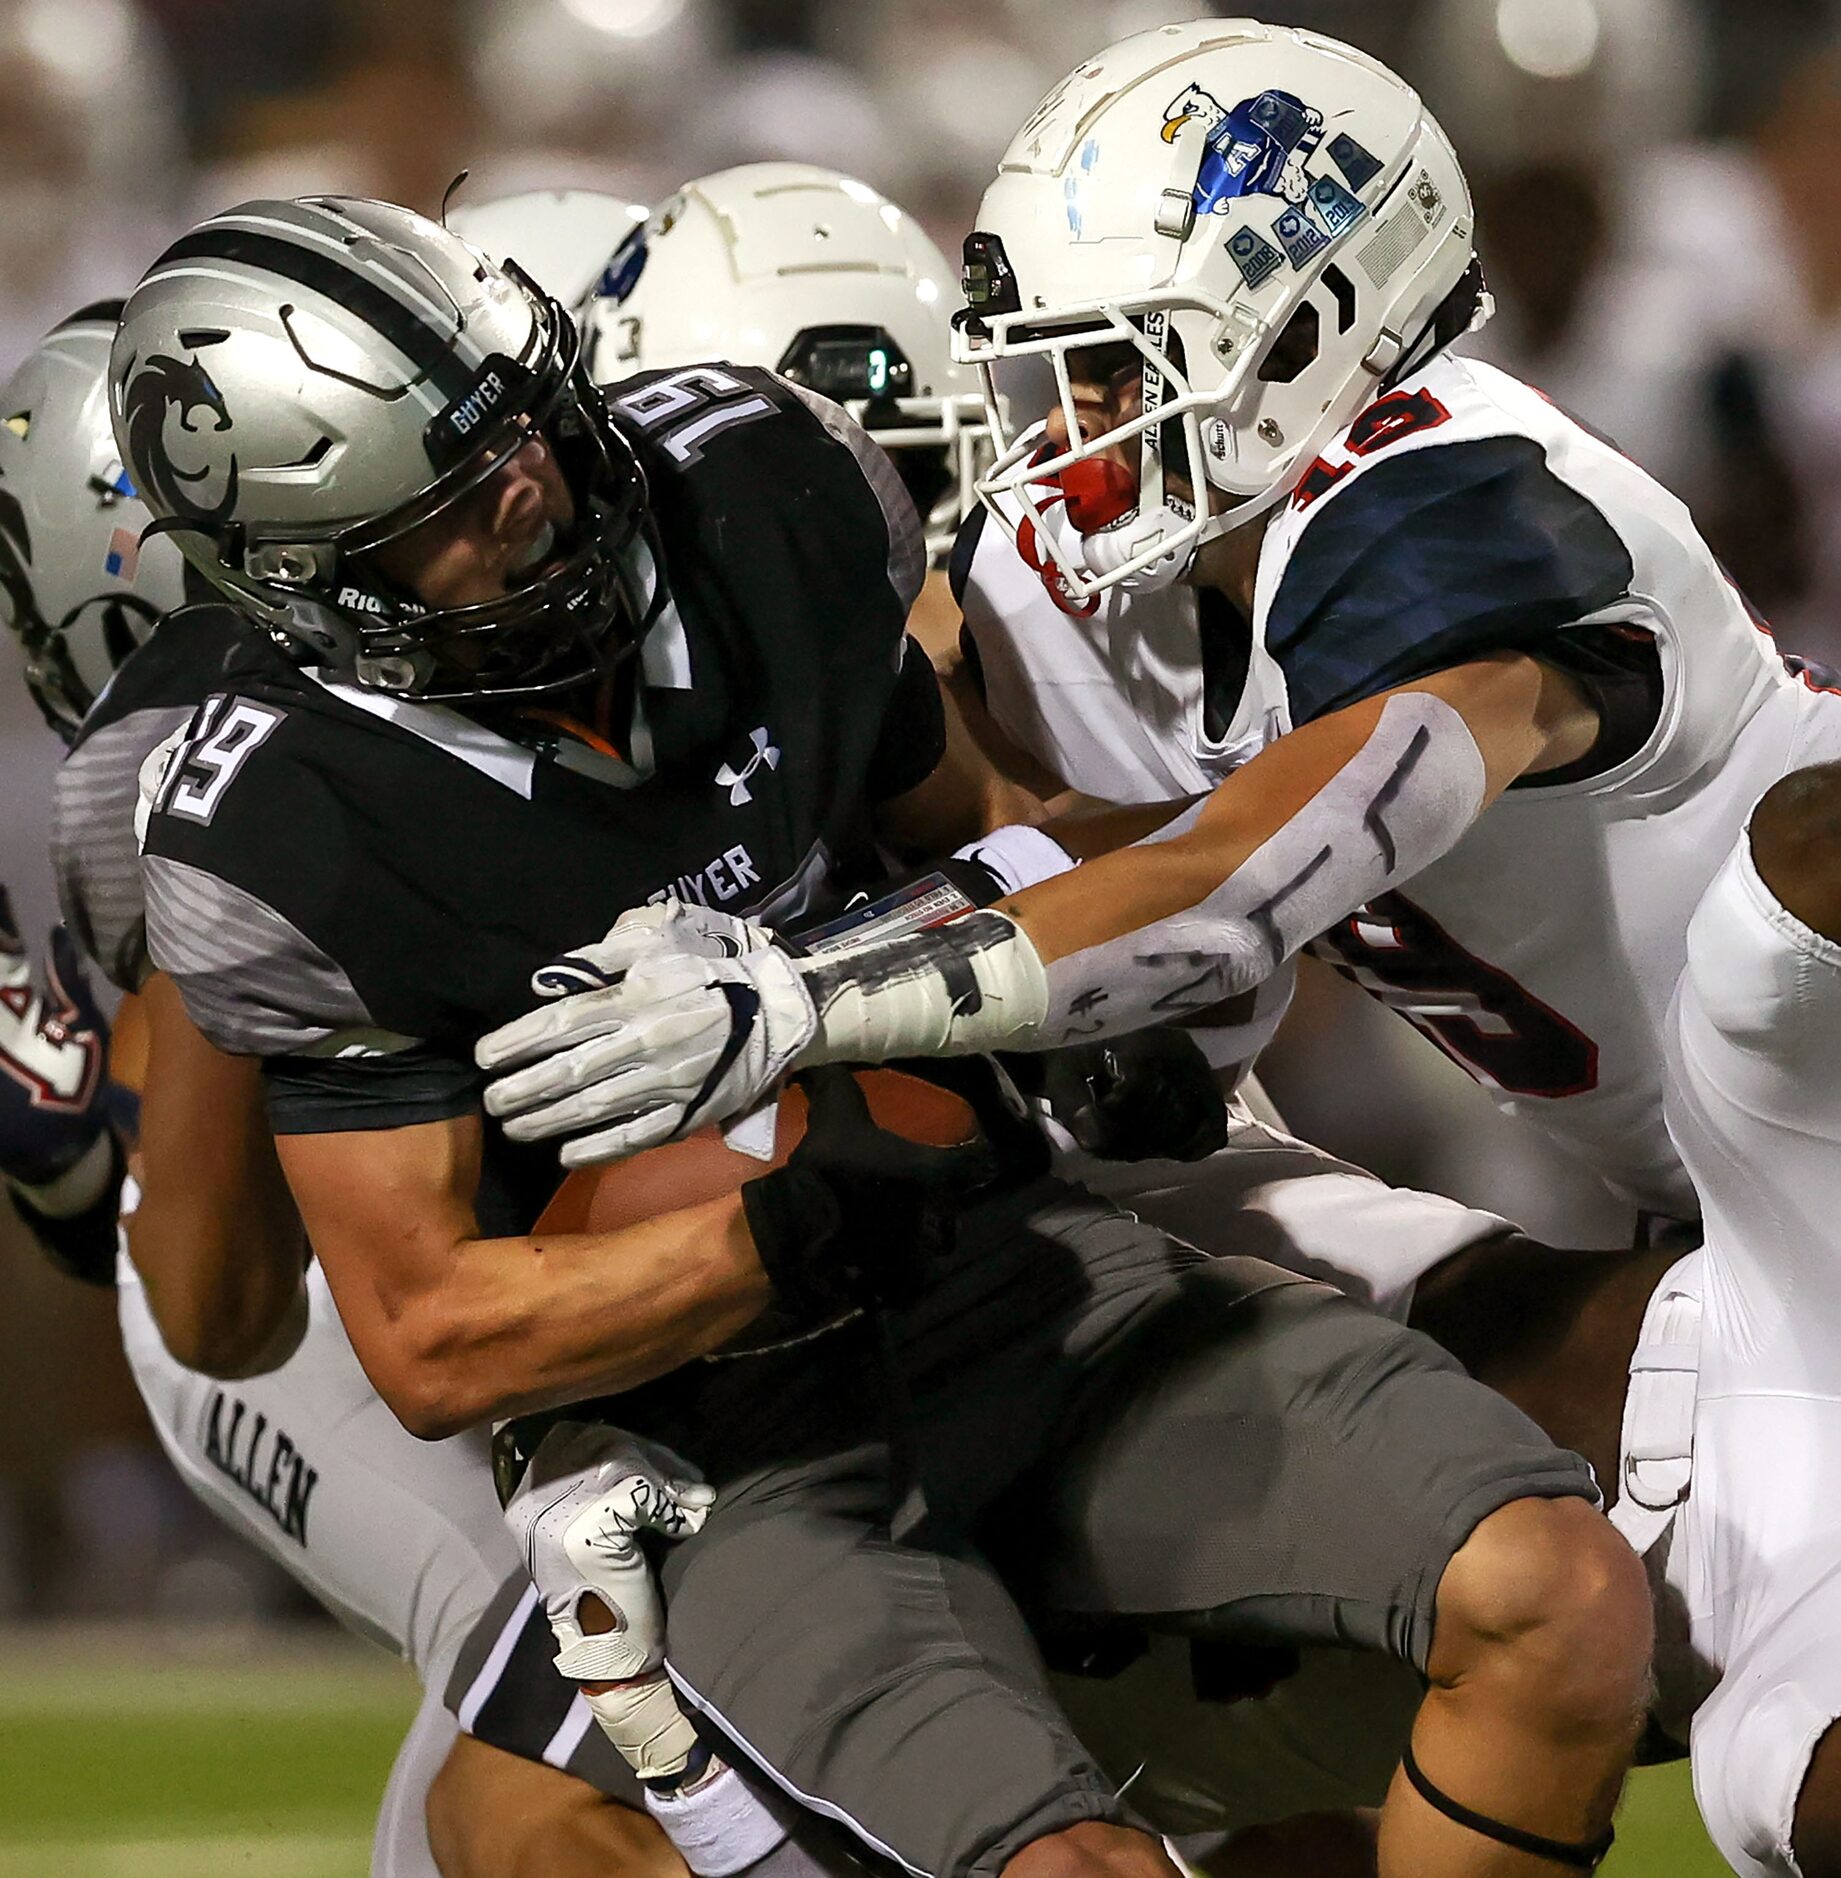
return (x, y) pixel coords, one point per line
(355, 887)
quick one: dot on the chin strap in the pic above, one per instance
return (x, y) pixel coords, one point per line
(1467, 307)
(1114, 547)
(1587, 1857)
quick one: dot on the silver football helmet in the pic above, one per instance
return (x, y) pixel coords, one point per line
(812, 274)
(295, 384)
(78, 586)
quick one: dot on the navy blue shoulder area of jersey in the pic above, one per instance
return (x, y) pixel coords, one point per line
(187, 656)
(1442, 555)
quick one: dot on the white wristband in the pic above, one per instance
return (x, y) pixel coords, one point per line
(1018, 856)
(719, 1828)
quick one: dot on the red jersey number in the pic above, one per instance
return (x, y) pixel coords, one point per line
(1387, 420)
(1495, 1029)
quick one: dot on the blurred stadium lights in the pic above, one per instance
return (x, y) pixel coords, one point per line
(1549, 38)
(627, 19)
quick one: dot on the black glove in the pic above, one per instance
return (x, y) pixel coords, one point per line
(858, 1214)
(82, 1245)
(1148, 1096)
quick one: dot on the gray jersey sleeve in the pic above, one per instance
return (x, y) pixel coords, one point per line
(93, 848)
(252, 982)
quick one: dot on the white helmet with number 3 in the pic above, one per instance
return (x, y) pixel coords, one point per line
(1277, 226)
(812, 274)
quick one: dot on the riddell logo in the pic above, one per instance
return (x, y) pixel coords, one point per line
(359, 600)
(736, 781)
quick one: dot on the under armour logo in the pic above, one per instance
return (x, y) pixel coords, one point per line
(736, 781)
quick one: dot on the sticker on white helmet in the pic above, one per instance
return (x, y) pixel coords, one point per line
(1429, 201)
(1338, 210)
(1301, 239)
(1356, 164)
(1255, 257)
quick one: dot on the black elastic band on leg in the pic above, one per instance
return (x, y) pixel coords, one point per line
(1586, 1857)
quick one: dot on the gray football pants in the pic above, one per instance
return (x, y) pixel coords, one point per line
(1085, 1417)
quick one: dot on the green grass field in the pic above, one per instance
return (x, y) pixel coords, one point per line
(117, 1762)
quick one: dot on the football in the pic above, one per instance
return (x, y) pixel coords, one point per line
(704, 1166)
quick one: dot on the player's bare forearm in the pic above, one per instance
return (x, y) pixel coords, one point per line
(536, 1322)
(215, 1239)
(493, 1815)
(455, 1329)
(1088, 828)
(1523, 717)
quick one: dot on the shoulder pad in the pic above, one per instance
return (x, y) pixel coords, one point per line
(1437, 548)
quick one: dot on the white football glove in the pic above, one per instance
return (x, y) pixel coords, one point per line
(588, 1493)
(667, 925)
(682, 1039)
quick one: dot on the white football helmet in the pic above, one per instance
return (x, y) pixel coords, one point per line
(1270, 219)
(560, 237)
(78, 586)
(814, 275)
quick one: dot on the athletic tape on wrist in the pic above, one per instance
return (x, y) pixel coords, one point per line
(645, 1723)
(955, 990)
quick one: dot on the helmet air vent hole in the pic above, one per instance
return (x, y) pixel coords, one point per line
(1295, 350)
(196, 338)
(1344, 289)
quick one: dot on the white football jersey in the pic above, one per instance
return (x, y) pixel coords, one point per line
(1460, 515)
(1110, 694)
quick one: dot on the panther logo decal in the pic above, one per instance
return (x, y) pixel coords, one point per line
(158, 387)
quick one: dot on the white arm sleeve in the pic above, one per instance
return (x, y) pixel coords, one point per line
(978, 984)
